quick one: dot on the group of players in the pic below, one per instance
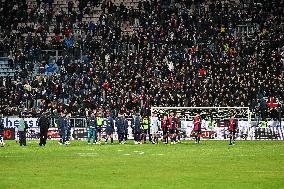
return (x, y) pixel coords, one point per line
(103, 124)
(168, 124)
(142, 127)
(98, 124)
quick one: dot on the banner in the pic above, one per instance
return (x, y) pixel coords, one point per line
(79, 133)
(271, 130)
(33, 133)
(14, 122)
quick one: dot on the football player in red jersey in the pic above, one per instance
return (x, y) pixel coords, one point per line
(232, 130)
(197, 127)
(164, 128)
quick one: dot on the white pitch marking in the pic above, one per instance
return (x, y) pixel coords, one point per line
(126, 154)
(244, 155)
(136, 151)
(9, 156)
(119, 150)
(91, 149)
(141, 153)
(87, 154)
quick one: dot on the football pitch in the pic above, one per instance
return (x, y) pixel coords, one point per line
(211, 164)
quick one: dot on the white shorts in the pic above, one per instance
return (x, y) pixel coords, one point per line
(153, 130)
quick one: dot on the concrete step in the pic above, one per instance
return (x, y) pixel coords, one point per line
(3, 66)
(5, 75)
(4, 63)
(6, 70)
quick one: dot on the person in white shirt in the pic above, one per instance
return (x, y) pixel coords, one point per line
(154, 128)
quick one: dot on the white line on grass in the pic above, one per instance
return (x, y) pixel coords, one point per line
(262, 171)
(246, 155)
(87, 154)
(9, 156)
(157, 154)
(139, 152)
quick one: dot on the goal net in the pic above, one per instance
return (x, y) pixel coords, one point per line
(215, 120)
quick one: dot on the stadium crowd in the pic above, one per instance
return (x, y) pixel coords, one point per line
(163, 53)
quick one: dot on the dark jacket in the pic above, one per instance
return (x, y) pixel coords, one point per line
(120, 124)
(43, 123)
(62, 123)
(109, 122)
(125, 125)
(92, 122)
(137, 123)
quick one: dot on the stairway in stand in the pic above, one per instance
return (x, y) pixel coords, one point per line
(5, 69)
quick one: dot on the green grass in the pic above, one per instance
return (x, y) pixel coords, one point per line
(212, 164)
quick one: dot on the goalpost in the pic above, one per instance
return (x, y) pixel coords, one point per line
(242, 112)
(219, 115)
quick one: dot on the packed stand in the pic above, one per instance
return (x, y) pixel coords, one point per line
(157, 53)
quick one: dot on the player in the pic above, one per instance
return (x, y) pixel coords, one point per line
(164, 128)
(125, 128)
(99, 127)
(172, 129)
(232, 130)
(154, 128)
(92, 128)
(62, 122)
(145, 124)
(211, 125)
(109, 127)
(1, 133)
(137, 128)
(197, 128)
(68, 129)
(178, 128)
(120, 125)
(22, 128)
(43, 124)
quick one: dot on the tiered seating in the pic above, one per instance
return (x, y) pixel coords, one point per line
(5, 69)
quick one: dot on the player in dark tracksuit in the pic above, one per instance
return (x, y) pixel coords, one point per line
(125, 128)
(109, 127)
(232, 129)
(62, 123)
(68, 128)
(43, 124)
(120, 125)
(197, 127)
(92, 128)
(137, 129)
